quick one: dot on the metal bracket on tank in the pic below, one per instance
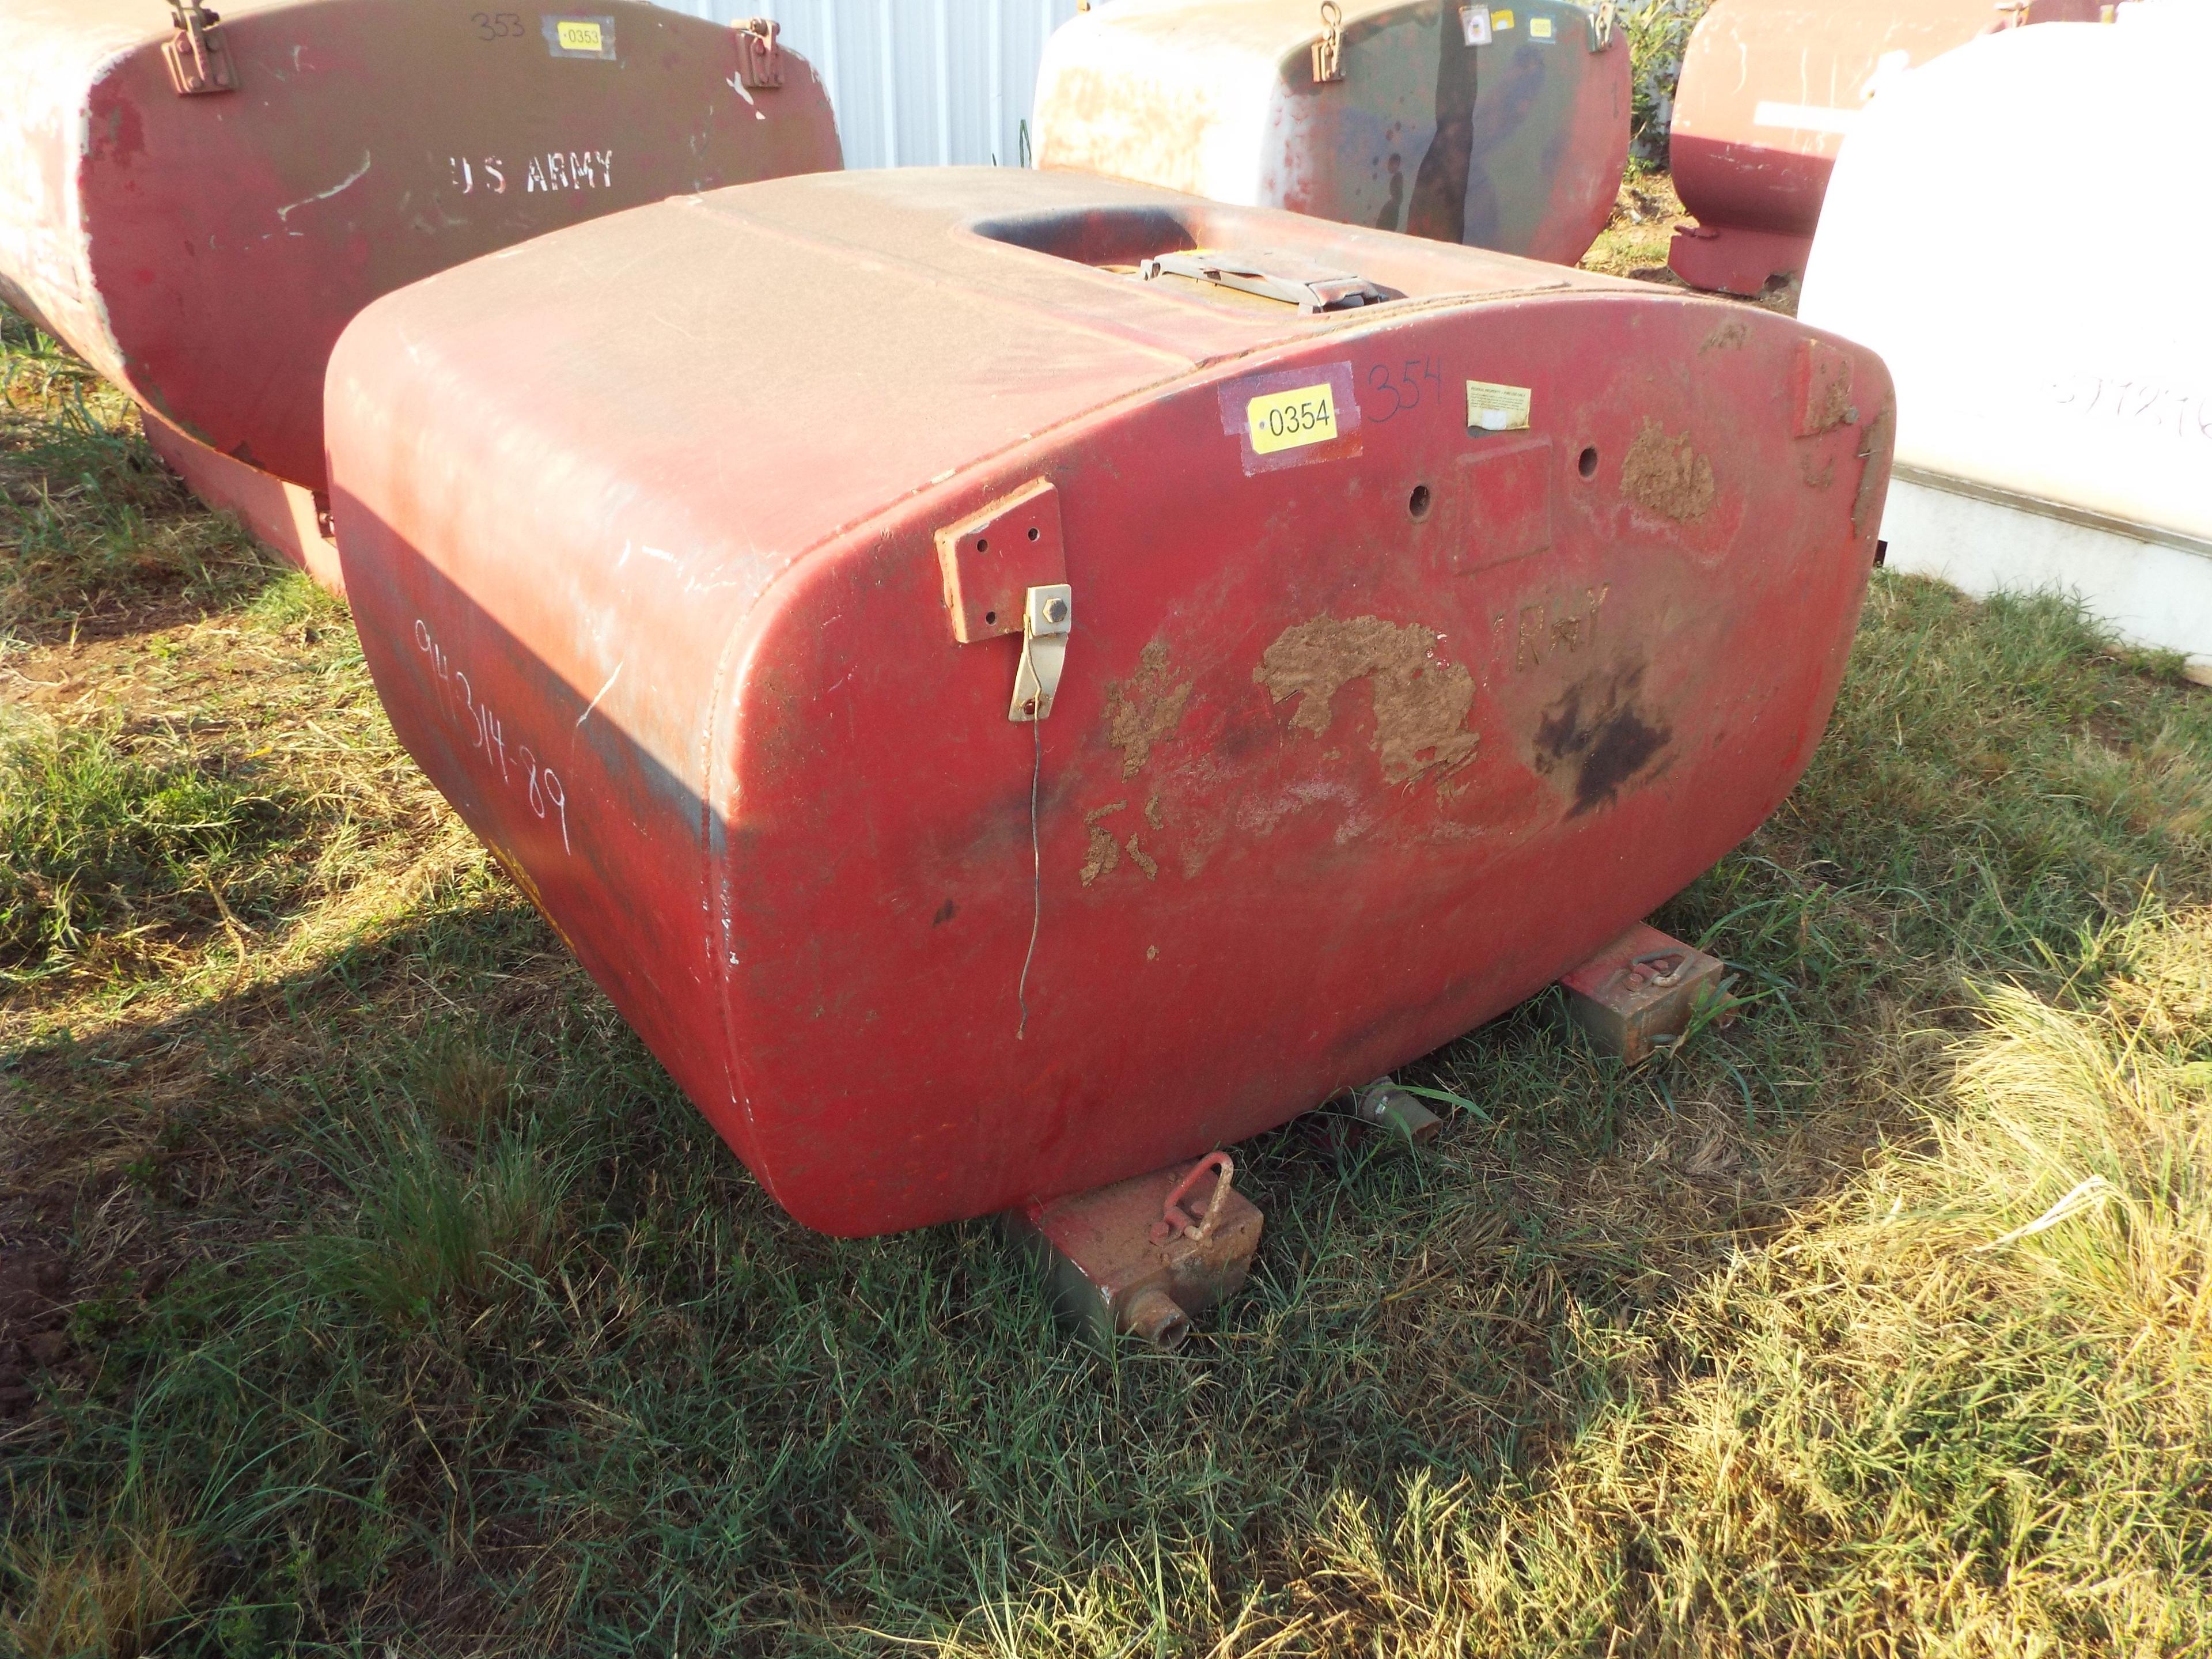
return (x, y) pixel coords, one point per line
(1047, 615)
(1329, 46)
(197, 54)
(1604, 18)
(759, 57)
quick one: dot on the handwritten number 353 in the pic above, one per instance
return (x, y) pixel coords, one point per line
(497, 25)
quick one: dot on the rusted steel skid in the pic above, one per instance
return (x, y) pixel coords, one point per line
(1505, 127)
(1644, 989)
(1392, 659)
(1143, 1256)
(1768, 90)
(199, 211)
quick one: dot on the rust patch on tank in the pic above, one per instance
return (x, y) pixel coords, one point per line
(1596, 729)
(1421, 703)
(1103, 856)
(1145, 709)
(1144, 860)
(1667, 476)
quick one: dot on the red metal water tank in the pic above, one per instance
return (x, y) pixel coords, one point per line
(1769, 88)
(1502, 126)
(200, 216)
(1407, 651)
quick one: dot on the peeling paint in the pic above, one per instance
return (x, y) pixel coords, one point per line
(1421, 703)
(1145, 709)
(1668, 475)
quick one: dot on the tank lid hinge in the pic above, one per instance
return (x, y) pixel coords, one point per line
(1309, 290)
(197, 54)
(1329, 47)
(760, 54)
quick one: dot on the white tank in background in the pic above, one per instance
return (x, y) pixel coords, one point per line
(2018, 228)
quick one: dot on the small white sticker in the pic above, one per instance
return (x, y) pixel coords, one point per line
(1474, 24)
(1494, 408)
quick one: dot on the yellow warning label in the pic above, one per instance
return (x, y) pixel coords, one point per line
(1540, 29)
(1501, 20)
(1494, 407)
(577, 34)
(1286, 420)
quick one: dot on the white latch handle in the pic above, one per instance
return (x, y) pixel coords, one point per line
(1048, 614)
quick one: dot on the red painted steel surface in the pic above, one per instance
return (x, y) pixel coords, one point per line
(1358, 744)
(283, 517)
(1517, 143)
(1769, 88)
(205, 252)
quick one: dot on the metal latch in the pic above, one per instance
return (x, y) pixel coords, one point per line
(1603, 20)
(760, 57)
(1328, 49)
(1311, 291)
(1006, 572)
(1048, 614)
(197, 54)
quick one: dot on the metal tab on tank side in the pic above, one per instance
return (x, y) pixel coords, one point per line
(993, 557)
(197, 54)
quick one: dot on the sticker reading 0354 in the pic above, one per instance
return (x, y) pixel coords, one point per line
(1286, 420)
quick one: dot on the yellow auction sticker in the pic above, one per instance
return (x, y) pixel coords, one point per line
(575, 34)
(1494, 408)
(1286, 420)
(1540, 29)
(1501, 20)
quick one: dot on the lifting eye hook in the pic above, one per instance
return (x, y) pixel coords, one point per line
(1176, 1221)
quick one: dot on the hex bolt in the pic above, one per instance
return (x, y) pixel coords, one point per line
(1057, 611)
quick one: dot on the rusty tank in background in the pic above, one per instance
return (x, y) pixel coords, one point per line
(1768, 90)
(198, 207)
(1502, 127)
(1095, 695)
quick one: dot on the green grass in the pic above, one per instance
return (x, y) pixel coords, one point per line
(396, 1302)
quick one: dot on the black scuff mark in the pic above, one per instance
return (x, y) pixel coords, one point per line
(1596, 728)
(1438, 209)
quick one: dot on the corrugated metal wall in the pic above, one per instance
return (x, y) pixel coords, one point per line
(917, 83)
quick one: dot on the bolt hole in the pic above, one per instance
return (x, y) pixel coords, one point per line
(990, 618)
(1417, 502)
(982, 543)
(1587, 462)
(1033, 532)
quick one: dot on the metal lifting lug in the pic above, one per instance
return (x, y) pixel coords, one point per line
(197, 54)
(1604, 20)
(760, 56)
(1328, 50)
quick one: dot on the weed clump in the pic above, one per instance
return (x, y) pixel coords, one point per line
(97, 840)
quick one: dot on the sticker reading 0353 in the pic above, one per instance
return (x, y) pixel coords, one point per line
(1286, 420)
(580, 37)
